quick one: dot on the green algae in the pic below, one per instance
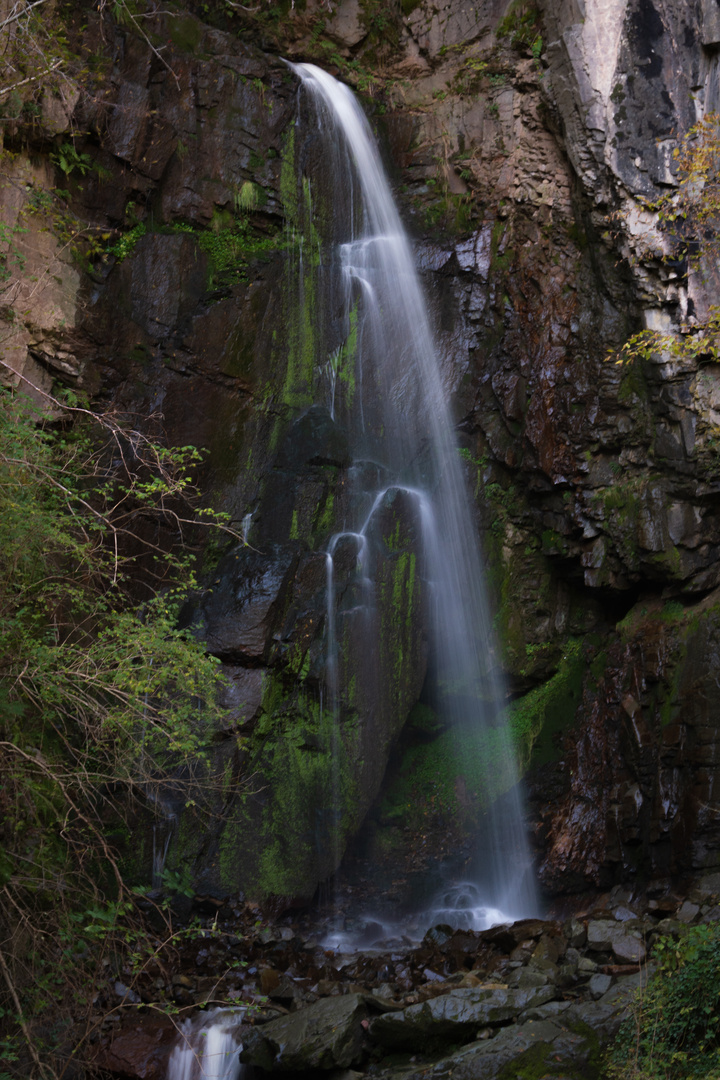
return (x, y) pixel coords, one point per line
(536, 718)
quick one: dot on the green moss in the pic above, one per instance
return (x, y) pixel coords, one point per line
(294, 533)
(303, 760)
(540, 715)
(347, 359)
(633, 387)
(530, 1065)
(185, 32)
(598, 666)
(432, 776)
(288, 178)
(499, 262)
(424, 720)
(325, 515)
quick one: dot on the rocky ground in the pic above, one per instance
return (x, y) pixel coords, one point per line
(547, 993)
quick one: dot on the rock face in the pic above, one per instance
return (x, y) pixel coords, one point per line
(524, 142)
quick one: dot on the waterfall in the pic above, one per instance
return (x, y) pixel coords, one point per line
(207, 1048)
(401, 419)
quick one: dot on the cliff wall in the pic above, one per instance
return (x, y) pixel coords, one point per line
(177, 276)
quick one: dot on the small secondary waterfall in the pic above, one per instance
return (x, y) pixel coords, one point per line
(400, 418)
(207, 1048)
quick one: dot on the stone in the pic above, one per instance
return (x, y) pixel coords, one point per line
(688, 912)
(325, 1035)
(525, 979)
(140, 1050)
(628, 950)
(599, 985)
(454, 1015)
(239, 608)
(575, 933)
(602, 935)
(346, 27)
(314, 439)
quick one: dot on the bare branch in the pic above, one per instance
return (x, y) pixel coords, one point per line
(18, 14)
(32, 78)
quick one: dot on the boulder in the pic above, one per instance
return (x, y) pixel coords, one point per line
(455, 1016)
(326, 1035)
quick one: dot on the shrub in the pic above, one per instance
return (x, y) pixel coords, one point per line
(674, 1031)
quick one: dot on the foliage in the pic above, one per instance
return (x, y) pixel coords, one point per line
(11, 258)
(68, 159)
(102, 699)
(230, 244)
(689, 217)
(520, 27)
(674, 1031)
(125, 244)
(34, 58)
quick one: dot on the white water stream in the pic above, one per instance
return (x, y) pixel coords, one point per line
(402, 419)
(207, 1048)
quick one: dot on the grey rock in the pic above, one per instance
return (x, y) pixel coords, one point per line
(326, 1035)
(669, 927)
(599, 985)
(455, 1015)
(346, 26)
(688, 912)
(575, 933)
(628, 950)
(525, 979)
(604, 934)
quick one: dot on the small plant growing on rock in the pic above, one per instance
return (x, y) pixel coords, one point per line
(689, 217)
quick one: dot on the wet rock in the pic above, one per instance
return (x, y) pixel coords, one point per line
(454, 1015)
(140, 1050)
(688, 912)
(438, 935)
(628, 950)
(326, 1035)
(575, 932)
(599, 984)
(314, 439)
(240, 607)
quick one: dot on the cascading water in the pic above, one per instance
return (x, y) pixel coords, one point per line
(207, 1048)
(400, 418)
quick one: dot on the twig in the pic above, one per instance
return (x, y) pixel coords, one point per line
(32, 78)
(19, 14)
(42, 1069)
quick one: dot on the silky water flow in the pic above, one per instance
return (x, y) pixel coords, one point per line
(403, 437)
(402, 421)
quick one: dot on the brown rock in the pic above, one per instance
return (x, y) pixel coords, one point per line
(140, 1050)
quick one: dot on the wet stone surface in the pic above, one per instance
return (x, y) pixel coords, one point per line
(458, 1002)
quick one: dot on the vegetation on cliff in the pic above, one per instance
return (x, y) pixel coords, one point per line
(104, 704)
(689, 219)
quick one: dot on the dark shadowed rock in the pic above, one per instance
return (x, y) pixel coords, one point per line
(141, 1049)
(314, 439)
(326, 1035)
